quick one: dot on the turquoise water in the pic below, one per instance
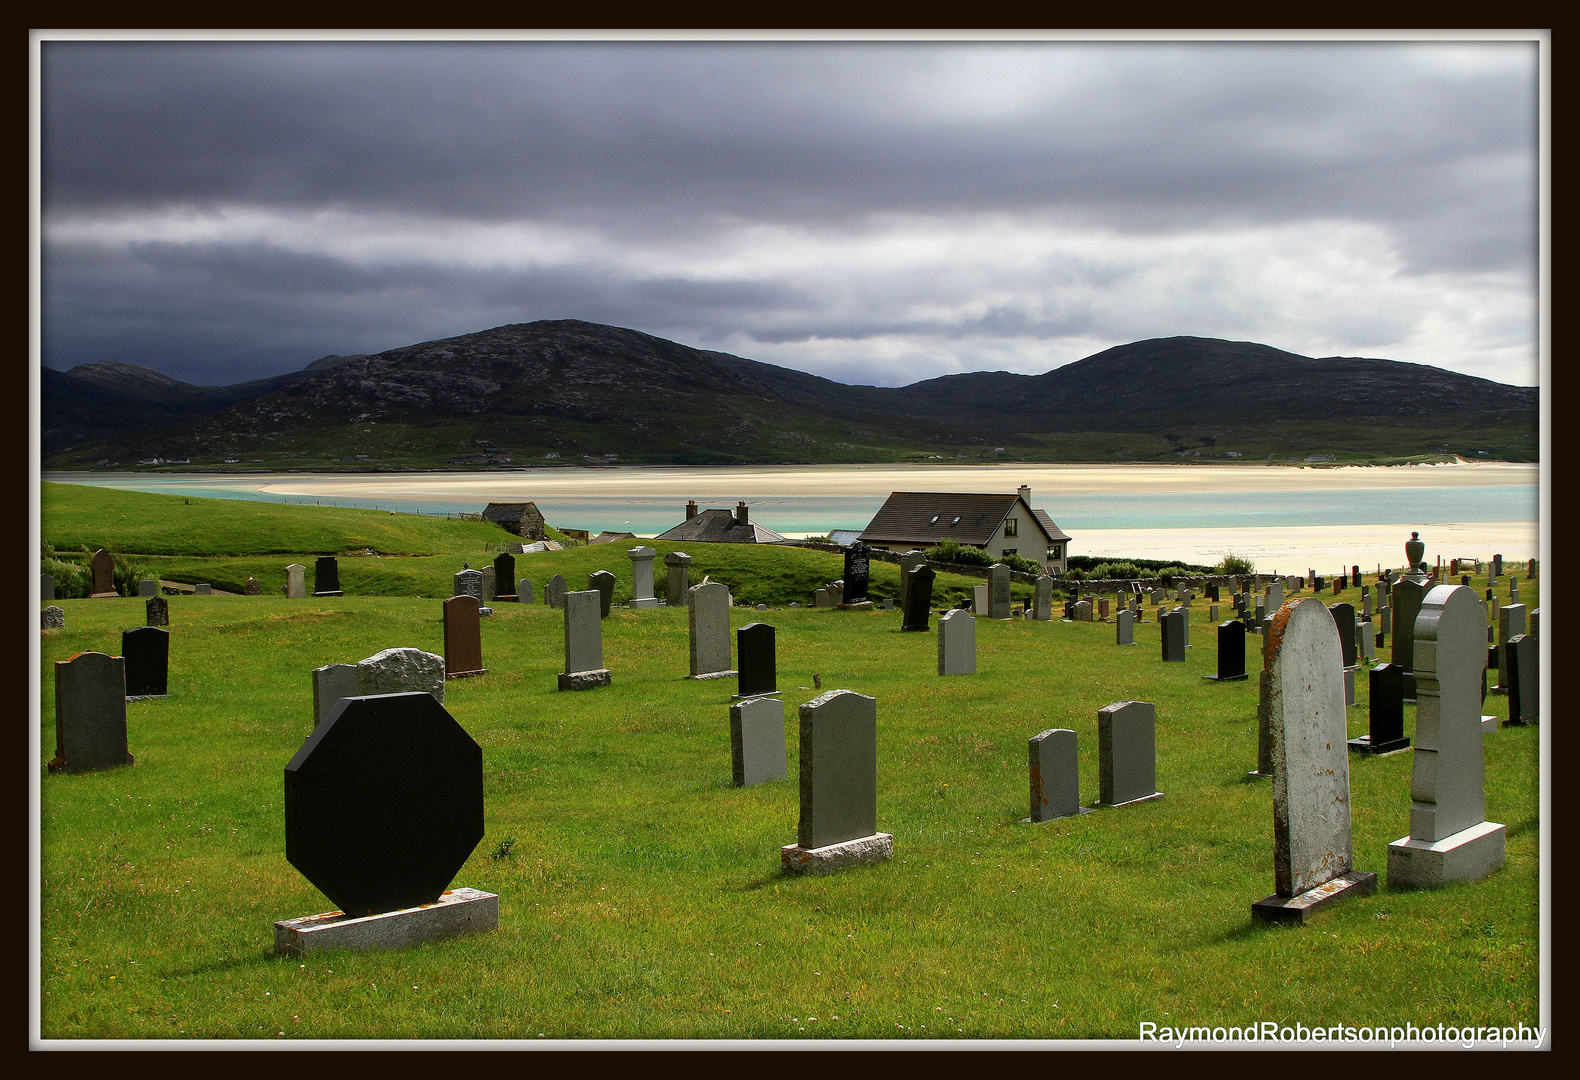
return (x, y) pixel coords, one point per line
(813, 514)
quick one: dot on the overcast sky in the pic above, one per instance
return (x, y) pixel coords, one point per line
(876, 213)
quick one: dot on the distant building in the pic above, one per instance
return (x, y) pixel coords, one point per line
(999, 524)
(607, 537)
(720, 527)
(523, 519)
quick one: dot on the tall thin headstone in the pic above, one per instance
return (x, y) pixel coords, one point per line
(1127, 753)
(463, 638)
(1344, 619)
(1124, 627)
(709, 618)
(1042, 599)
(1385, 712)
(602, 582)
(677, 565)
(957, 643)
(46, 588)
(1231, 652)
(998, 587)
(1524, 668)
(1313, 855)
(908, 562)
(918, 598)
(1511, 622)
(839, 786)
(584, 668)
(758, 672)
(1450, 837)
(642, 576)
(147, 654)
(1055, 776)
(1171, 626)
(90, 713)
(857, 571)
(505, 576)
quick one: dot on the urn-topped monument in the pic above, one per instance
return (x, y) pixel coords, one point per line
(1415, 559)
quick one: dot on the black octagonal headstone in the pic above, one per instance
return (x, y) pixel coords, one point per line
(384, 803)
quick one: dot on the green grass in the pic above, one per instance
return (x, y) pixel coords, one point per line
(642, 896)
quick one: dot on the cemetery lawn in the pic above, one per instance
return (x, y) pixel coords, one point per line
(640, 893)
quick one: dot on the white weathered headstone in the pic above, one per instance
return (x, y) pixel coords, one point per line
(1450, 837)
(709, 617)
(957, 643)
(296, 582)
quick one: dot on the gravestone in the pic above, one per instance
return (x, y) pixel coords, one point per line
(1365, 641)
(390, 671)
(757, 671)
(147, 588)
(888, 603)
(1497, 567)
(1511, 621)
(101, 568)
(326, 577)
(709, 617)
(463, 638)
(296, 582)
(979, 600)
(46, 588)
(146, 651)
(1264, 720)
(1450, 837)
(490, 587)
(822, 598)
(1231, 653)
(383, 806)
(602, 582)
(54, 618)
(203, 589)
(1127, 753)
(584, 668)
(1355, 577)
(1313, 856)
(554, 592)
(469, 583)
(157, 609)
(1102, 608)
(1184, 614)
(1524, 660)
(642, 577)
(839, 786)
(1385, 712)
(1042, 599)
(998, 592)
(1384, 621)
(524, 591)
(957, 643)
(1055, 776)
(918, 599)
(1275, 595)
(1124, 628)
(1344, 619)
(332, 684)
(1082, 612)
(90, 714)
(1171, 625)
(252, 588)
(504, 576)
(1213, 595)
(757, 741)
(678, 582)
(857, 567)
(908, 562)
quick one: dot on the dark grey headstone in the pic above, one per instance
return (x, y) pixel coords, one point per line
(326, 577)
(158, 611)
(1126, 752)
(90, 713)
(998, 592)
(147, 654)
(504, 575)
(918, 599)
(1172, 627)
(678, 577)
(46, 588)
(1212, 593)
(554, 592)
(839, 769)
(603, 582)
(1406, 598)
(206, 589)
(524, 591)
(384, 803)
(1524, 661)
(1385, 712)
(1231, 652)
(1055, 776)
(856, 573)
(1344, 619)
(148, 588)
(757, 741)
(1124, 627)
(468, 583)
(754, 659)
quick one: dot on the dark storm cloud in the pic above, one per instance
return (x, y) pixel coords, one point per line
(1423, 155)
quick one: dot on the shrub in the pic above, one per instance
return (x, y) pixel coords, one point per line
(1025, 566)
(1073, 575)
(951, 551)
(71, 580)
(1235, 564)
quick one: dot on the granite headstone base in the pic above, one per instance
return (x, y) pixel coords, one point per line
(715, 675)
(585, 680)
(795, 859)
(1468, 855)
(457, 912)
(1297, 910)
(1362, 744)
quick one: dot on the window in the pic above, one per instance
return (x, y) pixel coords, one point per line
(1010, 526)
(1009, 551)
(1053, 551)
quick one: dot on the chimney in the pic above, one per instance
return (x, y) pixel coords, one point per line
(1025, 494)
(691, 509)
(740, 514)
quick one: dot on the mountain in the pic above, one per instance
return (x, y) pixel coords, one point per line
(577, 390)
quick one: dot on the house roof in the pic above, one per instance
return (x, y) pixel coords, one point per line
(926, 518)
(607, 537)
(501, 512)
(719, 527)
